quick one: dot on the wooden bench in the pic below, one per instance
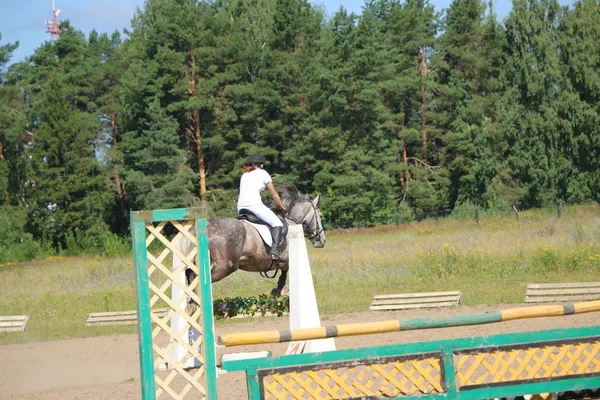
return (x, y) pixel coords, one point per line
(562, 292)
(13, 323)
(119, 317)
(415, 300)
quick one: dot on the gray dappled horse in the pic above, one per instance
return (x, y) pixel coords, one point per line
(235, 244)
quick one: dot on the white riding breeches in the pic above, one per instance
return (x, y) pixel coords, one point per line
(263, 212)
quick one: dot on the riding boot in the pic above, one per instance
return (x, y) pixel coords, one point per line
(276, 242)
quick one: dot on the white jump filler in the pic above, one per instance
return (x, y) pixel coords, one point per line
(304, 312)
(178, 324)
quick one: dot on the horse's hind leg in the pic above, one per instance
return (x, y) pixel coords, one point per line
(226, 238)
(221, 269)
(224, 262)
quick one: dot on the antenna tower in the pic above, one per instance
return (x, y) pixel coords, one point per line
(52, 24)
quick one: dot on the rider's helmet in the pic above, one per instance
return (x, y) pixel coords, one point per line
(256, 159)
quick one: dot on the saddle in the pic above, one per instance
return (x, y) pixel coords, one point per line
(250, 217)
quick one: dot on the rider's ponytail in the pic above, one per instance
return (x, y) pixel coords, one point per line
(249, 167)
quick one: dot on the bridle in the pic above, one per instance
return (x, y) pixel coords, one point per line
(314, 234)
(311, 235)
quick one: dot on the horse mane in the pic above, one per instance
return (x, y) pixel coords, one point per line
(290, 195)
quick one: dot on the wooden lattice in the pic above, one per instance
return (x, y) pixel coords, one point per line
(505, 364)
(386, 377)
(178, 381)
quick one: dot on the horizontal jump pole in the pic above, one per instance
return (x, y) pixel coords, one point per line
(263, 337)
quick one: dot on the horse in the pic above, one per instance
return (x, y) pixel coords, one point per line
(234, 244)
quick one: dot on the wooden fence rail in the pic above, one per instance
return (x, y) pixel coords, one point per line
(562, 292)
(118, 317)
(13, 323)
(406, 301)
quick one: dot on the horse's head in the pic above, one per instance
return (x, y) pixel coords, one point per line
(305, 211)
(312, 224)
(308, 214)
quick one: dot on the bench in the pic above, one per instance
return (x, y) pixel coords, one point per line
(562, 292)
(13, 323)
(407, 301)
(119, 317)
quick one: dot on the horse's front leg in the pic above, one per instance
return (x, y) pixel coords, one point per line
(280, 284)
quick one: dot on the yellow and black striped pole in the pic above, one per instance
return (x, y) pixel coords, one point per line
(247, 338)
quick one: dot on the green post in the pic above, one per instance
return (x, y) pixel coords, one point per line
(138, 231)
(252, 383)
(139, 219)
(559, 209)
(449, 373)
(210, 356)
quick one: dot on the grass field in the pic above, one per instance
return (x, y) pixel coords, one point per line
(490, 262)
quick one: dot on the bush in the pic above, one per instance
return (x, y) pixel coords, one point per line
(98, 240)
(231, 307)
(464, 210)
(405, 214)
(15, 243)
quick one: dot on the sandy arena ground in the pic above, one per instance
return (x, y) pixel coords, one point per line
(108, 367)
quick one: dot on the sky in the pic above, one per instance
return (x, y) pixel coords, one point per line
(24, 20)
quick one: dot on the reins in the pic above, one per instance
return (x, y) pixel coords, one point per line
(265, 274)
(311, 236)
(318, 230)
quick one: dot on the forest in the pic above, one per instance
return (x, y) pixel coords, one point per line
(396, 112)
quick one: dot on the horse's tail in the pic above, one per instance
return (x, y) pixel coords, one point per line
(185, 246)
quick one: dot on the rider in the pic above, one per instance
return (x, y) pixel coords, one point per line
(254, 180)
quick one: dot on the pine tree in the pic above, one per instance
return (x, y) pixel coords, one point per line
(12, 129)
(414, 100)
(164, 60)
(471, 44)
(346, 153)
(533, 123)
(15, 243)
(156, 168)
(294, 42)
(67, 193)
(579, 50)
(111, 62)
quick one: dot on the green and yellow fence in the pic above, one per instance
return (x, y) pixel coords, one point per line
(559, 360)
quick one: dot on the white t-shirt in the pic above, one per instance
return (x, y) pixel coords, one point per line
(251, 184)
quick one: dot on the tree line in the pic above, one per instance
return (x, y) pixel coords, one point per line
(396, 111)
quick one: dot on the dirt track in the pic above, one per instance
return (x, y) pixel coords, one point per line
(108, 367)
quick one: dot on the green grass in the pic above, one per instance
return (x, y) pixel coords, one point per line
(58, 293)
(490, 262)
